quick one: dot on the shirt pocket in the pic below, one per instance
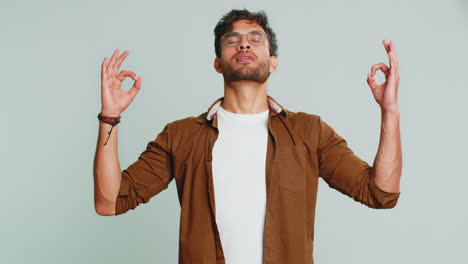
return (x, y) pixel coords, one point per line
(291, 167)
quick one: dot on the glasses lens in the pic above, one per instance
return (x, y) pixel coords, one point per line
(256, 37)
(232, 38)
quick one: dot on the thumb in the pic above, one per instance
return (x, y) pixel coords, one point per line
(135, 88)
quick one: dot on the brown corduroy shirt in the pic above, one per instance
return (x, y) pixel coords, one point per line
(301, 148)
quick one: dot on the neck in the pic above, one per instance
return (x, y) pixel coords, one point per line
(245, 97)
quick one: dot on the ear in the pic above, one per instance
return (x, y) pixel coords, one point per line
(217, 65)
(273, 63)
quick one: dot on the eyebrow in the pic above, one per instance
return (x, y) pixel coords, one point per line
(230, 33)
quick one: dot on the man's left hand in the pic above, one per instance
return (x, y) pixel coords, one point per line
(386, 93)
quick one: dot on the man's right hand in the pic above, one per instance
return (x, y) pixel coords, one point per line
(114, 100)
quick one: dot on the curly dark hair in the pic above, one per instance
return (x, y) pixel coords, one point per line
(225, 25)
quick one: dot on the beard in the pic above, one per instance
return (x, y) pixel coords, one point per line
(257, 71)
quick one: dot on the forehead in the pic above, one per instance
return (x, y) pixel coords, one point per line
(244, 26)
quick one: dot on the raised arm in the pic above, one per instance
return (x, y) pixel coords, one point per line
(106, 171)
(388, 161)
(377, 186)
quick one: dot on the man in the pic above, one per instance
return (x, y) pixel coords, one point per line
(247, 169)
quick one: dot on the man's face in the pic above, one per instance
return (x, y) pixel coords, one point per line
(234, 68)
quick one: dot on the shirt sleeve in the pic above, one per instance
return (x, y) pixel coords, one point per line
(346, 172)
(148, 176)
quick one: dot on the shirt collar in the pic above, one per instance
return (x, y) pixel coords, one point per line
(274, 106)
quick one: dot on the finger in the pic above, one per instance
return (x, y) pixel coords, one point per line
(397, 73)
(394, 65)
(388, 48)
(121, 59)
(375, 67)
(379, 66)
(385, 43)
(103, 67)
(371, 81)
(390, 56)
(123, 74)
(395, 60)
(112, 60)
(385, 69)
(135, 88)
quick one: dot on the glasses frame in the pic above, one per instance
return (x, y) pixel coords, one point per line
(223, 38)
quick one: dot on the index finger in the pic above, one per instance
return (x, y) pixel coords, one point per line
(123, 74)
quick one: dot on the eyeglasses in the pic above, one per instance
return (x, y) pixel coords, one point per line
(256, 38)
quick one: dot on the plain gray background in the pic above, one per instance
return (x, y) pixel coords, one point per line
(50, 69)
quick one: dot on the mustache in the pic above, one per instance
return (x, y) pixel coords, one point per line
(244, 53)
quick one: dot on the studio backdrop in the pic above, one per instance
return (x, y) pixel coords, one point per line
(50, 71)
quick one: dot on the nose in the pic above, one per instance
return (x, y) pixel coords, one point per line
(243, 44)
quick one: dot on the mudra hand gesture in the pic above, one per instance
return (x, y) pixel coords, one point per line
(114, 99)
(386, 93)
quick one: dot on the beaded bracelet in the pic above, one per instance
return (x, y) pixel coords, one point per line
(109, 120)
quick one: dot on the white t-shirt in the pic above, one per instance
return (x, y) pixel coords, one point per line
(239, 158)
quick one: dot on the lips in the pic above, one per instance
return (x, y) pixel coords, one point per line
(245, 57)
